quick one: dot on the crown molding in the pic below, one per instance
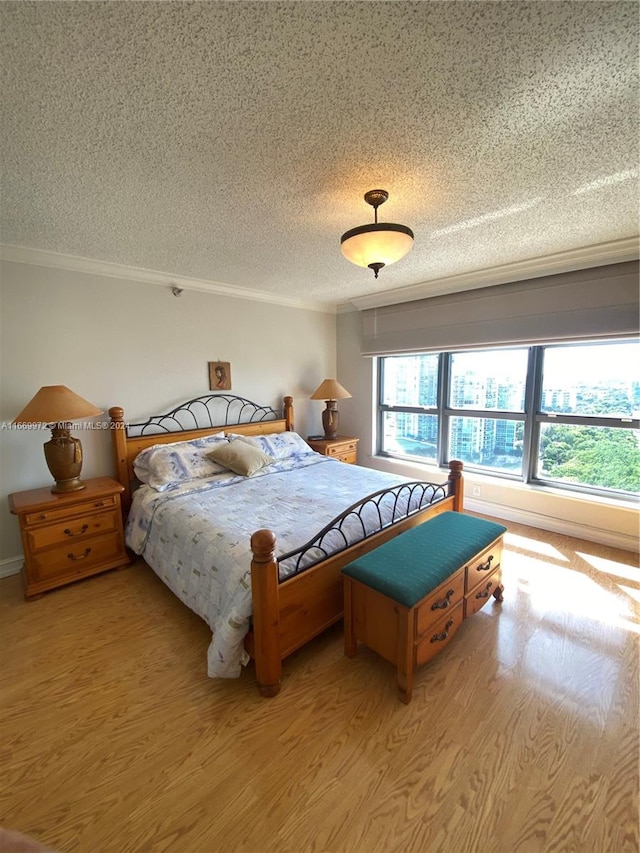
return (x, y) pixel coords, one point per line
(597, 255)
(41, 258)
(612, 252)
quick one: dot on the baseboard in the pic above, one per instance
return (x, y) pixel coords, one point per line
(11, 566)
(555, 525)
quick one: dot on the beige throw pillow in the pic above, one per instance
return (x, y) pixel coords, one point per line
(240, 457)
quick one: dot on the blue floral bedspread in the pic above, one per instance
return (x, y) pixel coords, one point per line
(196, 537)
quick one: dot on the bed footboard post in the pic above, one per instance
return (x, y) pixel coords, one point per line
(266, 612)
(456, 484)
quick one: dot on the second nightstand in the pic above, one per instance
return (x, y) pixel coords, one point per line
(343, 447)
(71, 535)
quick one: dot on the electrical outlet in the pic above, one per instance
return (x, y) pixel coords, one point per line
(476, 491)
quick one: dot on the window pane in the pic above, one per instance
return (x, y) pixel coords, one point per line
(487, 442)
(410, 380)
(411, 435)
(493, 379)
(590, 456)
(597, 379)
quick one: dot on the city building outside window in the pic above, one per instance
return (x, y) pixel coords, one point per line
(561, 415)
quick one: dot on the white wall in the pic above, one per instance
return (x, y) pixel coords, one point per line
(608, 522)
(135, 345)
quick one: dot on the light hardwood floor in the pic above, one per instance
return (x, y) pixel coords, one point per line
(522, 736)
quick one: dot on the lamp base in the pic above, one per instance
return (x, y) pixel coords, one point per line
(63, 455)
(330, 420)
(72, 485)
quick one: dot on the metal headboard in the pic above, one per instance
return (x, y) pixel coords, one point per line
(203, 412)
(196, 418)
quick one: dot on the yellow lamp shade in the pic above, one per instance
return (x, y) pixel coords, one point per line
(58, 406)
(330, 389)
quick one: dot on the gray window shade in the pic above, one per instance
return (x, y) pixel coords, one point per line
(600, 302)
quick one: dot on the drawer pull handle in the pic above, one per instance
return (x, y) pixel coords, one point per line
(438, 638)
(485, 566)
(82, 530)
(484, 593)
(87, 551)
(443, 603)
(98, 503)
(43, 516)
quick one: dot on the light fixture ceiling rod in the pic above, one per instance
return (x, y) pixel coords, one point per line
(376, 244)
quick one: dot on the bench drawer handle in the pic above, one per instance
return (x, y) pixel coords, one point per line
(485, 566)
(87, 551)
(82, 530)
(484, 593)
(443, 603)
(438, 638)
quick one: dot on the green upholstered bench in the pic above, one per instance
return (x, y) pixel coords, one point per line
(407, 598)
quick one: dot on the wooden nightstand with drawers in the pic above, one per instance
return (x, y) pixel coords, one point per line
(343, 447)
(69, 536)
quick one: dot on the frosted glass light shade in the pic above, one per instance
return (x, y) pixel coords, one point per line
(377, 243)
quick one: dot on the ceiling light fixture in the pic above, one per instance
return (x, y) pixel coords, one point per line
(379, 244)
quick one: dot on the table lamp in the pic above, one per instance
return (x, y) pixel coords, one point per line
(330, 391)
(56, 406)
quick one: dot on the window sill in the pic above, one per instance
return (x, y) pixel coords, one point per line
(608, 521)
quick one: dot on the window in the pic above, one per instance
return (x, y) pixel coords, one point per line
(410, 395)
(566, 415)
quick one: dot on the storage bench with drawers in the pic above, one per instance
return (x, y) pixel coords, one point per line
(407, 598)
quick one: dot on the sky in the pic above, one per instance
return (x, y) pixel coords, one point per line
(567, 365)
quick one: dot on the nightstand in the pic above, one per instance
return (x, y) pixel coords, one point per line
(69, 536)
(343, 447)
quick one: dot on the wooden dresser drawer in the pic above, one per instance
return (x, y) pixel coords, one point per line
(349, 457)
(479, 596)
(342, 448)
(483, 565)
(72, 530)
(64, 513)
(440, 635)
(442, 600)
(77, 557)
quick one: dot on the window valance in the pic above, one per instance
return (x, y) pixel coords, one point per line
(600, 302)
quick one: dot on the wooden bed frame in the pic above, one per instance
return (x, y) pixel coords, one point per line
(288, 613)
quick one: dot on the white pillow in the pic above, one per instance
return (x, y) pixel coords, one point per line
(279, 445)
(165, 465)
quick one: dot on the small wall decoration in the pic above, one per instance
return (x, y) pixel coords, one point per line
(220, 375)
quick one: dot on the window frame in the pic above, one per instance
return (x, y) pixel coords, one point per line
(533, 418)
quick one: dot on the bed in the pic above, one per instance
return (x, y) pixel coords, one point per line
(258, 557)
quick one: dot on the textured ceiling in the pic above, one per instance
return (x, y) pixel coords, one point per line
(233, 141)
